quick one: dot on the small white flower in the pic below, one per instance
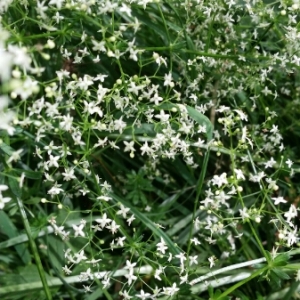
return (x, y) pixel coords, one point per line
(161, 246)
(289, 163)
(170, 291)
(239, 174)
(15, 156)
(211, 261)
(78, 230)
(279, 200)
(3, 200)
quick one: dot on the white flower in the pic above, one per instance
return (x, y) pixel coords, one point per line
(68, 174)
(104, 198)
(156, 99)
(158, 59)
(119, 125)
(103, 221)
(162, 247)
(162, 116)
(239, 174)
(123, 211)
(278, 200)
(193, 260)
(3, 200)
(220, 180)
(292, 213)
(66, 270)
(298, 275)
(270, 163)
(146, 149)
(15, 156)
(6, 61)
(66, 124)
(244, 213)
(241, 114)
(195, 241)
(211, 261)
(129, 220)
(170, 291)
(143, 295)
(55, 190)
(129, 146)
(125, 295)
(52, 162)
(181, 257)
(168, 80)
(130, 277)
(289, 163)
(3, 187)
(113, 227)
(78, 230)
(58, 3)
(85, 82)
(159, 271)
(80, 256)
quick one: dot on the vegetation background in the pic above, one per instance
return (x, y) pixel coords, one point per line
(149, 149)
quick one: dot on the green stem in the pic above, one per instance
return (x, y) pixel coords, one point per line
(259, 242)
(199, 189)
(107, 295)
(34, 249)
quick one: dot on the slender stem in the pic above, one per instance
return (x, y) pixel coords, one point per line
(34, 249)
(259, 242)
(199, 189)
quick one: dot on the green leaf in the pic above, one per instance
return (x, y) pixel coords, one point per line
(274, 280)
(14, 186)
(183, 171)
(143, 129)
(154, 228)
(202, 120)
(281, 260)
(9, 229)
(55, 248)
(269, 256)
(281, 274)
(33, 200)
(6, 149)
(25, 284)
(166, 106)
(29, 173)
(291, 291)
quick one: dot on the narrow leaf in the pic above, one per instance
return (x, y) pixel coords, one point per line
(202, 120)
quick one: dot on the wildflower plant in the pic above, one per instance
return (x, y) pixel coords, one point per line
(149, 149)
